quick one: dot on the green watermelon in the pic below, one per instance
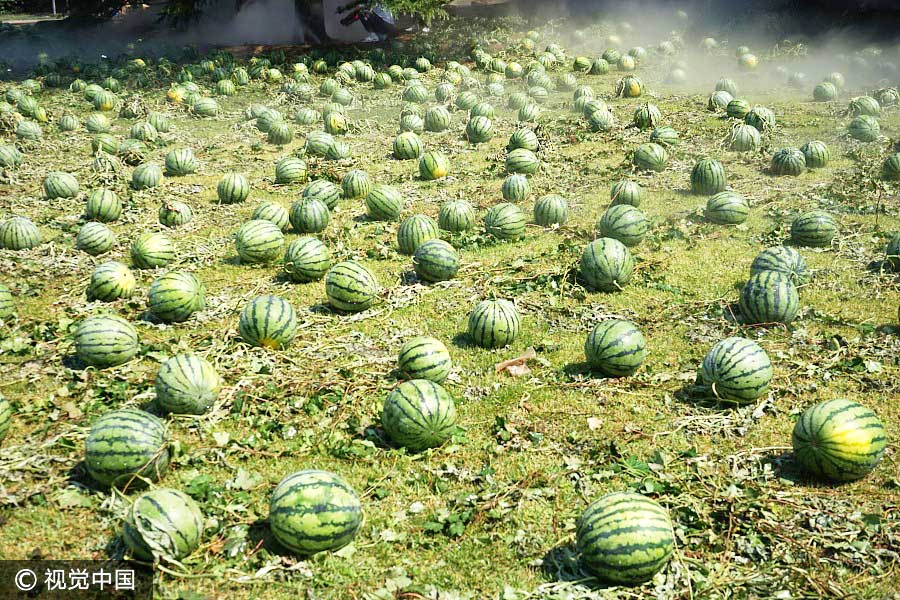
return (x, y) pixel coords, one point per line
(306, 259)
(437, 119)
(760, 117)
(825, 92)
(744, 138)
(523, 138)
(152, 250)
(647, 116)
(324, 191)
(273, 212)
(727, 208)
(864, 105)
(624, 223)
(551, 209)
(424, 358)
(890, 170)
(505, 221)
(290, 169)
(738, 370)
(667, 137)
(456, 216)
(162, 524)
(625, 538)
(522, 160)
(103, 205)
(606, 265)
(864, 128)
(650, 157)
(625, 192)
(233, 188)
(351, 287)
(186, 384)
(419, 414)
(173, 213)
(781, 259)
(433, 165)
(814, 228)
(769, 297)
(616, 348)
(788, 161)
(384, 203)
(259, 241)
(60, 185)
(436, 260)
(356, 184)
(737, 108)
(6, 414)
(494, 323)
(480, 129)
(105, 341)
(601, 120)
(180, 162)
(268, 322)
(839, 440)
(111, 281)
(314, 511)
(708, 177)
(126, 446)
(146, 176)
(175, 296)
(95, 238)
(414, 231)
(719, 100)
(408, 146)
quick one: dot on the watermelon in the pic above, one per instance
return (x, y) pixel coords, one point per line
(205, 107)
(436, 260)
(411, 123)
(625, 538)
(111, 281)
(384, 203)
(424, 358)
(173, 213)
(306, 116)
(769, 297)
(727, 85)
(551, 209)
(175, 296)
(95, 238)
(781, 259)
(433, 165)
(892, 253)
(814, 228)
(68, 123)
(126, 446)
(601, 120)
(727, 208)
(60, 185)
(522, 160)
(744, 138)
(309, 215)
(625, 192)
(456, 216)
(493, 323)
(143, 131)
(6, 414)
(719, 100)
(505, 221)
(324, 191)
(408, 146)
(480, 129)
(272, 212)
(19, 233)
(29, 131)
(650, 157)
(616, 348)
(515, 188)
(825, 92)
(314, 511)
(840, 440)
(864, 128)
(356, 184)
(9, 156)
(146, 176)
(599, 66)
(890, 170)
(788, 161)
(351, 287)
(186, 384)
(105, 341)
(162, 524)
(414, 231)
(259, 241)
(523, 138)
(103, 205)
(437, 119)
(290, 169)
(152, 250)
(816, 154)
(180, 162)
(268, 322)
(306, 259)
(624, 223)
(708, 177)
(232, 188)
(335, 124)
(737, 370)
(737, 108)
(864, 105)
(419, 414)
(606, 265)
(629, 87)
(647, 116)
(667, 137)
(97, 123)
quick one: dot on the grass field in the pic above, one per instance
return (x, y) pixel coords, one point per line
(492, 513)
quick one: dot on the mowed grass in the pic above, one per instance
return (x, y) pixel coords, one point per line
(495, 508)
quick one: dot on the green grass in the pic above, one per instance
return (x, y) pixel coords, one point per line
(496, 507)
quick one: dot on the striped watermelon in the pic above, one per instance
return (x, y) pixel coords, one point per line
(515, 188)
(351, 287)
(126, 446)
(419, 414)
(825, 92)
(339, 150)
(290, 169)
(272, 212)
(890, 170)
(456, 216)
(494, 323)
(436, 260)
(10, 156)
(7, 305)
(306, 259)
(708, 177)
(551, 209)
(738, 108)
(97, 123)
(788, 161)
(606, 265)
(146, 176)
(625, 223)
(781, 259)
(95, 238)
(738, 370)
(744, 138)
(309, 215)
(6, 414)
(892, 253)
(814, 228)
(522, 160)
(324, 191)
(173, 213)
(616, 348)
(259, 241)
(314, 511)
(625, 538)
(60, 185)
(480, 129)
(523, 138)
(650, 157)
(505, 221)
(437, 119)
(111, 281)
(268, 322)
(356, 184)
(816, 154)
(180, 162)
(335, 124)
(414, 231)
(727, 208)
(769, 297)
(152, 250)
(601, 120)
(433, 165)
(29, 131)
(105, 341)
(839, 440)
(629, 87)
(233, 188)
(625, 192)
(162, 524)
(424, 358)
(411, 123)
(408, 146)
(719, 100)
(143, 131)
(667, 137)
(727, 85)
(864, 128)
(647, 116)
(384, 203)
(864, 105)
(175, 296)
(186, 384)
(103, 205)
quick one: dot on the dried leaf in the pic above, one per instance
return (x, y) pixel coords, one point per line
(518, 366)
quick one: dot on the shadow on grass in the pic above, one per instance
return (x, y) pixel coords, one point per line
(463, 341)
